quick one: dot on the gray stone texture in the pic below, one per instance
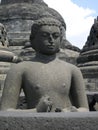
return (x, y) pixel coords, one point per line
(48, 121)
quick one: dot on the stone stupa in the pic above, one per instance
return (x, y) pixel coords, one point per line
(88, 59)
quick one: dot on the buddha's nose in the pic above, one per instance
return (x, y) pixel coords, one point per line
(51, 39)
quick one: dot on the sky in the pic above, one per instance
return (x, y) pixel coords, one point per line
(78, 15)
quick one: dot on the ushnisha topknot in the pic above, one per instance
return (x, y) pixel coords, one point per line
(42, 22)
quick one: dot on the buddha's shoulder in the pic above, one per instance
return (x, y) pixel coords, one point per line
(69, 65)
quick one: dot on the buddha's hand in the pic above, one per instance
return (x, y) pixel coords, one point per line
(74, 109)
(67, 109)
(70, 109)
(58, 109)
(44, 105)
(83, 109)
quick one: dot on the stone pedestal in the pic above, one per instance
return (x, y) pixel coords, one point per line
(48, 121)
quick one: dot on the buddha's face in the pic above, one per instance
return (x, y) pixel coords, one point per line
(47, 40)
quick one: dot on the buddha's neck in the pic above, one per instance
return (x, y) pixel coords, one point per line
(45, 58)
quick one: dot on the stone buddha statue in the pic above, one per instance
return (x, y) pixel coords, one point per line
(49, 84)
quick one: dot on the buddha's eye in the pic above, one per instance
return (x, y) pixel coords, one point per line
(45, 34)
(56, 35)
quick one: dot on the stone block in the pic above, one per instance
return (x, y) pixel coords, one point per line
(48, 121)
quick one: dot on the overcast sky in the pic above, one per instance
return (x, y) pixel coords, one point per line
(79, 16)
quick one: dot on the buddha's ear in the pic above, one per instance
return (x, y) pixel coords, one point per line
(62, 29)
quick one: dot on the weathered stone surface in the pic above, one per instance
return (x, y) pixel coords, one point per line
(48, 121)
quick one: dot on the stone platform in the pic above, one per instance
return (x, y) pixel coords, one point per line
(48, 121)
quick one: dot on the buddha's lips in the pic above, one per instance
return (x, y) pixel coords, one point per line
(51, 46)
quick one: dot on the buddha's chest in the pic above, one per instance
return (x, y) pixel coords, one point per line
(48, 78)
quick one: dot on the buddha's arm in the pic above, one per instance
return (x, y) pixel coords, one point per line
(11, 89)
(77, 92)
(6, 55)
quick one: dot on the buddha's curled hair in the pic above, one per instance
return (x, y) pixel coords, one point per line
(42, 22)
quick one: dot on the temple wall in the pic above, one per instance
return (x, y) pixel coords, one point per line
(18, 31)
(91, 84)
